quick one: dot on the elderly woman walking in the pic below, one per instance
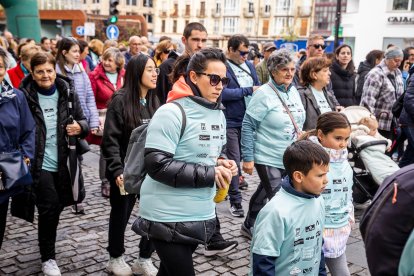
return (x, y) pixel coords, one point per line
(275, 115)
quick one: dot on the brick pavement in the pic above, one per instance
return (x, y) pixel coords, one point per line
(82, 240)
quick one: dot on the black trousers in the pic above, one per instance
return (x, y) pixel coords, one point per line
(121, 208)
(270, 182)
(49, 208)
(176, 258)
(3, 218)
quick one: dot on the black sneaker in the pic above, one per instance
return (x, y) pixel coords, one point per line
(236, 210)
(243, 185)
(220, 247)
(246, 231)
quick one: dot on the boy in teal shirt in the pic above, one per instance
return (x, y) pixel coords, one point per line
(287, 237)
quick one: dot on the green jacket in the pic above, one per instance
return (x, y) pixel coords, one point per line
(262, 72)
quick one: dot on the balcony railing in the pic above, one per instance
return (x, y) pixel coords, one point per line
(265, 11)
(216, 12)
(248, 12)
(163, 14)
(201, 13)
(186, 13)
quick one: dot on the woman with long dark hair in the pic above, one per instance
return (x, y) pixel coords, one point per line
(343, 76)
(133, 105)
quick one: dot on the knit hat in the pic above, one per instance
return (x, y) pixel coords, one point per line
(393, 52)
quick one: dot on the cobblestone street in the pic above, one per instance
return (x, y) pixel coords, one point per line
(82, 240)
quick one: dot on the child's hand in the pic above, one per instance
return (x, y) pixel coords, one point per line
(388, 149)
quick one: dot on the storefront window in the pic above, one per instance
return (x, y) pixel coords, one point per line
(400, 5)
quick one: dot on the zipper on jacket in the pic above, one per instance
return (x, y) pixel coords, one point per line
(382, 202)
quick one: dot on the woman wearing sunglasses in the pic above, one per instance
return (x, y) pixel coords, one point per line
(133, 105)
(274, 119)
(163, 50)
(177, 211)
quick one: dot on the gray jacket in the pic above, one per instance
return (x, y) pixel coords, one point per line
(311, 106)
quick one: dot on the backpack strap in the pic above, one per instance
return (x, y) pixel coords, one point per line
(184, 118)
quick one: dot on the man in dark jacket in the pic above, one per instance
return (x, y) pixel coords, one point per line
(135, 44)
(194, 39)
(243, 82)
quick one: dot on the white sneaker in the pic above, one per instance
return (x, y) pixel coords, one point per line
(118, 267)
(144, 267)
(50, 268)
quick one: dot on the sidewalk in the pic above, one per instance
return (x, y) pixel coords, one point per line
(82, 240)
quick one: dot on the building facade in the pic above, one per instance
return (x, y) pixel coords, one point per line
(367, 27)
(259, 20)
(325, 13)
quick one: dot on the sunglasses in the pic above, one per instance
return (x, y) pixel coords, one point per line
(215, 79)
(167, 51)
(243, 53)
(317, 46)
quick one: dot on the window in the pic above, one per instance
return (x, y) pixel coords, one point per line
(148, 3)
(230, 24)
(265, 29)
(282, 24)
(131, 2)
(249, 26)
(217, 7)
(162, 26)
(187, 10)
(400, 5)
(216, 28)
(174, 26)
(186, 22)
(251, 7)
(148, 17)
(231, 6)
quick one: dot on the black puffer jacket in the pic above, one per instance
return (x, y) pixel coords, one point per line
(343, 85)
(363, 70)
(28, 86)
(116, 135)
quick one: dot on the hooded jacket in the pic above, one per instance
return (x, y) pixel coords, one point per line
(63, 84)
(17, 128)
(363, 70)
(343, 85)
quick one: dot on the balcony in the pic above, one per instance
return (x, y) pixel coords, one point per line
(215, 13)
(248, 13)
(163, 14)
(174, 13)
(201, 13)
(304, 11)
(265, 11)
(186, 13)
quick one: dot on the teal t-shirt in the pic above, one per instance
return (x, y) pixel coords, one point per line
(406, 265)
(321, 100)
(276, 130)
(113, 77)
(289, 227)
(244, 79)
(202, 142)
(49, 106)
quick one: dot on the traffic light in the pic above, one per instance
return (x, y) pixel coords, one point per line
(112, 7)
(113, 19)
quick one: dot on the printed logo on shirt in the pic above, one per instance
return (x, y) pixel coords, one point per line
(337, 190)
(216, 137)
(310, 238)
(298, 242)
(295, 271)
(318, 233)
(310, 228)
(222, 137)
(307, 270)
(337, 181)
(326, 191)
(215, 127)
(297, 232)
(203, 126)
(204, 137)
(202, 155)
(295, 261)
(204, 145)
(345, 189)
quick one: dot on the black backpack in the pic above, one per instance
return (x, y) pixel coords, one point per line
(134, 169)
(388, 222)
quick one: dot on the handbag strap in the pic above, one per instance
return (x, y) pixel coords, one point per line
(286, 107)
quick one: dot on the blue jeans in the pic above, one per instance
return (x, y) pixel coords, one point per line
(233, 153)
(408, 157)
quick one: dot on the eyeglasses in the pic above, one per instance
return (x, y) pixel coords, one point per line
(215, 79)
(321, 46)
(167, 51)
(243, 53)
(151, 69)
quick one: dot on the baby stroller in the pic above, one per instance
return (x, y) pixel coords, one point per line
(367, 156)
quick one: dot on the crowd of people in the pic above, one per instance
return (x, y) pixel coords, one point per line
(212, 115)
